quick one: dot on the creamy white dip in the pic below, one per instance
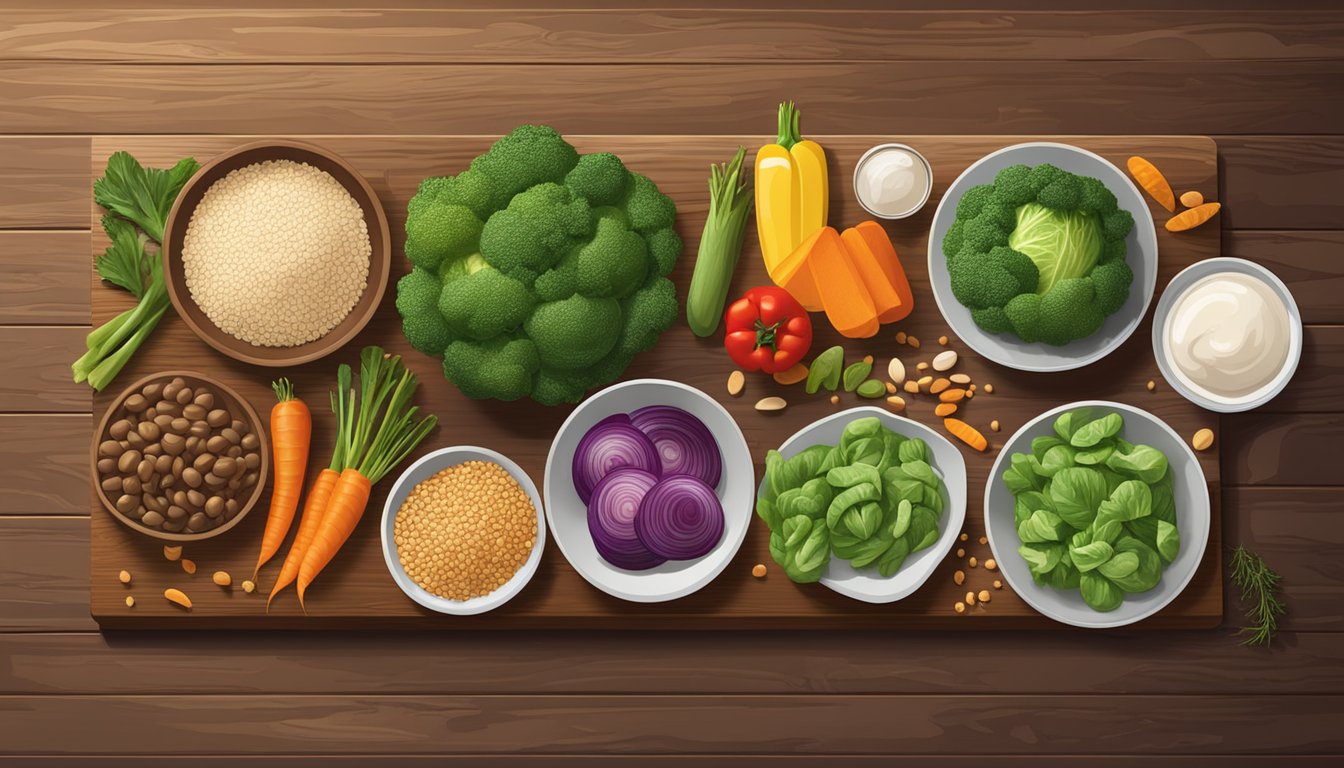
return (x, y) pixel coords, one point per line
(892, 182)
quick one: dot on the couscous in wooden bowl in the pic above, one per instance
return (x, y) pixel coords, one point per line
(189, 308)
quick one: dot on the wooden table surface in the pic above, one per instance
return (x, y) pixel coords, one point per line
(1264, 82)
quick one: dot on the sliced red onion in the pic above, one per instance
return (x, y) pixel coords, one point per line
(685, 445)
(680, 518)
(612, 443)
(611, 518)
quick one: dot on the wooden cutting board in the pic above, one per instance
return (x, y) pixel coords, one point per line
(356, 591)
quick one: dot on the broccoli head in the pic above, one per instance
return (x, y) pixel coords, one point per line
(1039, 253)
(538, 272)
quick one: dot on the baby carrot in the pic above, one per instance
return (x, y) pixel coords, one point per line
(966, 433)
(291, 434)
(1193, 217)
(1152, 181)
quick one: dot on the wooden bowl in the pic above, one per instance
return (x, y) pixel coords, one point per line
(380, 260)
(237, 406)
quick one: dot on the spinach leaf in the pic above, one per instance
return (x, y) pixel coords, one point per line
(1130, 500)
(1144, 462)
(1044, 443)
(1077, 493)
(914, 450)
(1093, 432)
(1090, 556)
(1069, 422)
(852, 475)
(1168, 541)
(1057, 458)
(1042, 525)
(1096, 455)
(1020, 476)
(1099, 592)
(901, 523)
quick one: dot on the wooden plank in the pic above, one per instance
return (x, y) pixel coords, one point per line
(441, 36)
(853, 97)
(667, 761)
(695, 724)
(360, 587)
(675, 664)
(46, 460)
(45, 570)
(1317, 385)
(44, 280)
(37, 373)
(1306, 261)
(1278, 182)
(44, 181)
(1281, 449)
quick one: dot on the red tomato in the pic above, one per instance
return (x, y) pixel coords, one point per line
(767, 330)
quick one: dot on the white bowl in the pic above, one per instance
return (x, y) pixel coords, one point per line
(1189, 489)
(867, 585)
(1183, 281)
(428, 466)
(568, 515)
(1141, 254)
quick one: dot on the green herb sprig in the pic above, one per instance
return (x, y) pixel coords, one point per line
(1260, 596)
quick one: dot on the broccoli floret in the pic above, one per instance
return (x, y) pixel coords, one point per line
(647, 313)
(538, 272)
(574, 333)
(649, 210)
(502, 368)
(1039, 253)
(528, 156)
(601, 178)
(418, 302)
(484, 304)
(438, 232)
(664, 250)
(1111, 281)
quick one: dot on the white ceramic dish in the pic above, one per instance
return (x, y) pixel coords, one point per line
(914, 154)
(1007, 349)
(568, 515)
(867, 585)
(1182, 282)
(422, 470)
(1189, 488)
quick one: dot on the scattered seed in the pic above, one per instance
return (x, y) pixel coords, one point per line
(188, 565)
(835, 399)
(177, 597)
(963, 537)
(912, 386)
(124, 577)
(960, 378)
(249, 586)
(1202, 439)
(896, 402)
(130, 601)
(959, 607)
(222, 578)
(959, 577)
(921, 366)
(998, 584)
(924, 383)
(945, 360)
(1192, 198)
(990, 564)
(891, 388)
(792, 375)
(942, 340)
(868, 359)
(945, 409)
(1152, 385)
(970, 388)
(972, 562)
(984, 540)
(983, 596)
(970, 393)
(900, 337)
(896, 370)
(994, 425)
(970, 598)
(758, 570)
(952, 395)
(939, 385)
(961, 552)
(737, 381)
(912, 341)
(771, 404)
(172, 553)
(989, 389)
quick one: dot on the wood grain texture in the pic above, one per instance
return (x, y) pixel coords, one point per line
(1281, 182)
(739, 760)
(639, 725)
(44, 567)
(774, 663)
(44, 180)
(44, 277)
(39, 379)
(45, 459)
(1260, 448)
(852, 97)
(1307, 262)
(358, 588)
(658, 35)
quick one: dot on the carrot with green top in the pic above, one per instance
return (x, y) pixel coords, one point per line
(291, 434)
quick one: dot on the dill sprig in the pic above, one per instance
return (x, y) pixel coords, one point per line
(1259, 586)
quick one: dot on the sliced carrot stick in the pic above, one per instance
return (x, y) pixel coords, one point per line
(1152, 181)
(1192, 218)
(966, 433)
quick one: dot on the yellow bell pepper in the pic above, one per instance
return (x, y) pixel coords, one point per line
(791, 192)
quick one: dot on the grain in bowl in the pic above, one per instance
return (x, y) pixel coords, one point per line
(276, 253)
(465, 531)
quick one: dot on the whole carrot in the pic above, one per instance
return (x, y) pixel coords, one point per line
(291, 434)
(313, 510)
